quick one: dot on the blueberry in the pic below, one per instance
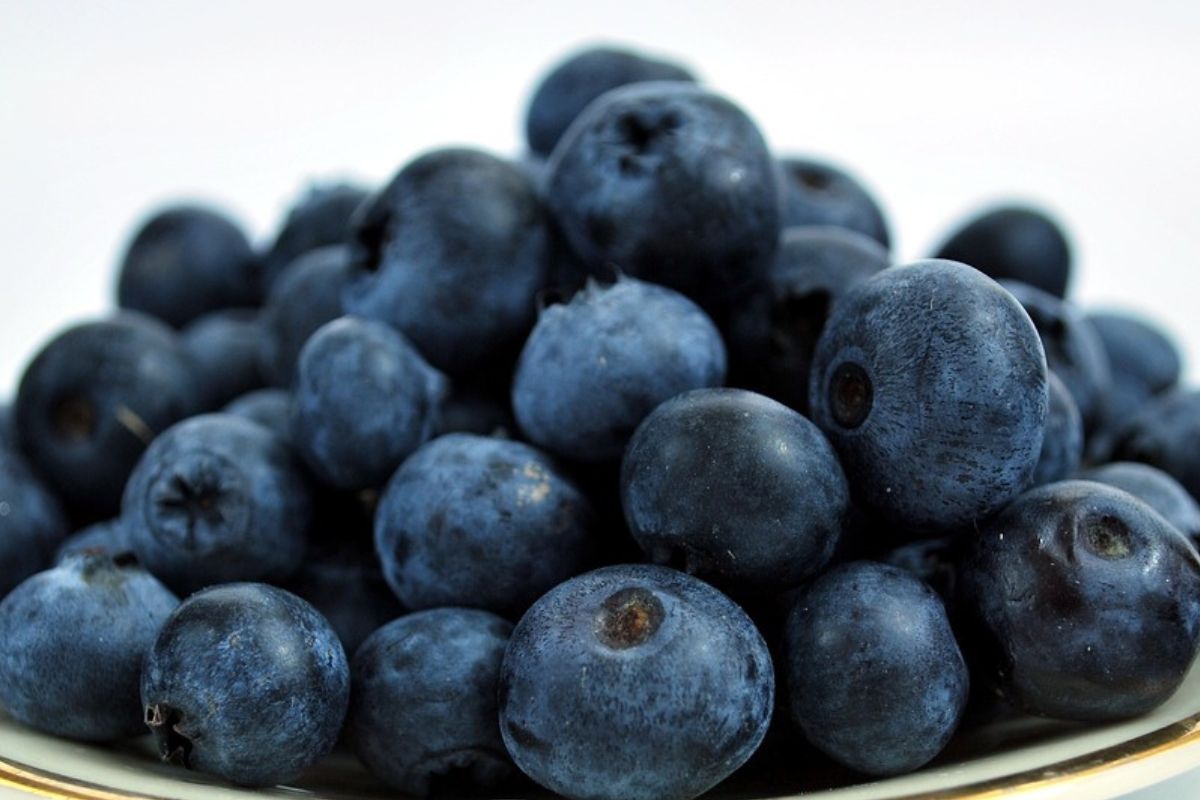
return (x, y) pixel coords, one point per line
(217, 498)
(1156, 489)
(8, 435)
(268, 407)
(304, 297)
(1137, 350)
(1073, 348)
(109, 538)
(634, 682)
(933, 561)
(1166, 434)
(672, 184)
(246, 682)
(1015, 242)
(817, 193)
(423, 711)
(452, 254)
(480, 522)
(74, 638)
(364, 400)
(320, 217)
(467, 411)
(1062, 446)
(876, 679)
(579, 79)
(1089, 600)
(595, 367)
(184, 261)
(93, 398)
(734, 488)
(772, 334)
(32, 523)
(930, 382)
(223, 349)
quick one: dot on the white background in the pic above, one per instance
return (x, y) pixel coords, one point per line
(107, 108)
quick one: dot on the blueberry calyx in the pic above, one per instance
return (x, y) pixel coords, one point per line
(1107, 537)
(164, 722)
(628, 618)
(75, 418)
(850, 395)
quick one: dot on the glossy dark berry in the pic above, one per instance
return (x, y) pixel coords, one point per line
(187, 260)
(596, 366)
(364, 400)
(91, 401)
(480, 522)
(1018, 243)
(1089, 599)
(1062, 446)
(423, 712)
(670, 183)
(223, 349)
(268, 407)
(875, 676)
(74, 638)
(217, 498)
(1156, 489)
(930, 382)
(246, 682)
(634, 683)
(109, 538)
(32, 523)
(319, 218)
(578, 80)
(735, 489)
(452, 253)
(818, 193)
(1166, 434)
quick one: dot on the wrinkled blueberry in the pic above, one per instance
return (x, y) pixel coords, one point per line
(1062, 446)
(634, 682)
(818, 193)
(875, 676)
(735, 489)
(480, 522)
(452, 254)
(1089, 600)
(187, 260)
(74, 638)
(364, 400)
(1014, 242)
(670, 183)
(223, 349)
(91, 401)
(247, 682)
(268, 407)
(217, 498)
(1156, 489)
(1166, 434)
(596, 366)
(109, 538)
(32, 523)
(930, 382)
(320, 217)
(423, 712)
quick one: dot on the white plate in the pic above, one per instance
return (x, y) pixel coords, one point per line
(1019, 758)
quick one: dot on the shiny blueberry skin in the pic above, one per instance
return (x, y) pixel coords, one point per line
(1166, 434)
(818, 194)
(930, 382)
(93, 398)
(735, 489)
(634, 682)
(74, 638)
(1062, 446)
(303, 297)
(319, 218)
(32, 523)
(582, 77)
(246, 682)
(875, 676)
(423, 710)
(452, 253)
(1016, 243)
(480, 522)
(1073, 348)
(772, 333)
(187, 260)
(364, 400)
(1089, 599)
(1156, 489)
(670, 183)
(217, 498)
(596, 366)
(268, 407)
(109, 538)
(223, 349)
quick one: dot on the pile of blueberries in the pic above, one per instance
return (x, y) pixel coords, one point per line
(590, 467)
